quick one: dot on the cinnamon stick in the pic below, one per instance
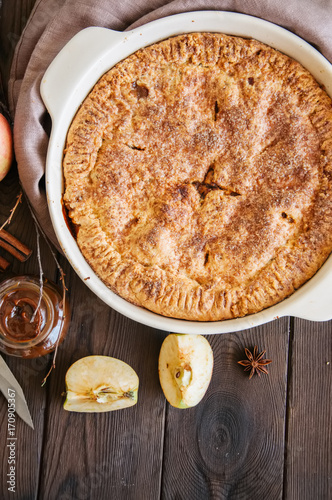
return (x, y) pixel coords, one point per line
(3, 264)
(14, 246)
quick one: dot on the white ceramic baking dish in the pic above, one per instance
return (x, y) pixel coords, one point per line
(67, 82)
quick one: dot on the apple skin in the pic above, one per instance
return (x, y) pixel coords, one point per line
(6, 147)
(185, 369)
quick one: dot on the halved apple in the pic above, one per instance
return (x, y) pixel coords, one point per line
(185, 369)
(100, 383)
(6, 147)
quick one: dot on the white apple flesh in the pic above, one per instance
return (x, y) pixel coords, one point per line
(6, 147)
(97, 384)
(185, 369)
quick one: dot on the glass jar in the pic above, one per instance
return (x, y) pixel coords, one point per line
(30, 325)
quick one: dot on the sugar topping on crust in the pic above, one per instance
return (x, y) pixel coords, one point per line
(198, 176)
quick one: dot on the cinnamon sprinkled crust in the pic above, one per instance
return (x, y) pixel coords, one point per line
(198, 173)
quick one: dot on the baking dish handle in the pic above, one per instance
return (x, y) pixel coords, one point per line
(313, 301)
(77, 60)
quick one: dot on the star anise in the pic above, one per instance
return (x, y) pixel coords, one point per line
(255, 363)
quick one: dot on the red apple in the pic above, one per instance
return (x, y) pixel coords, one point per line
(6, 147)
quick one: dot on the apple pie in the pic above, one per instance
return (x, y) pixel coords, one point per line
(198, 177)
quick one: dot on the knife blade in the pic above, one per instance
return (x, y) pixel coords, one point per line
(8, 383)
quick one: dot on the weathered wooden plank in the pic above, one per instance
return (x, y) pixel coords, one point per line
(28, 443)
(231, 445)
(14, 16)
(108, 455)
(309, 433)
(30, 373)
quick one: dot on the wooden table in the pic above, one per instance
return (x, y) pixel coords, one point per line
(269, 437)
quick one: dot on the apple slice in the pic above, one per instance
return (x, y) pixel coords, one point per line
(185, 369)
(100, 383)
(6, 147)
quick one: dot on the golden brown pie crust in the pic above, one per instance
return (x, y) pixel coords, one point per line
(198, 175)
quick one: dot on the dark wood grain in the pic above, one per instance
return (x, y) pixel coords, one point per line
(231, 446)
(14, 16)
(309, 434)
(30, 373)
